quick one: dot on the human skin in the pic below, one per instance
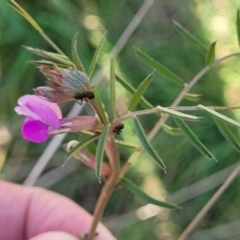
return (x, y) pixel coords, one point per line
(37, 214)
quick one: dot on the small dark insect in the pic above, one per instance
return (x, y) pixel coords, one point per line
(83, 96)
(118, 129)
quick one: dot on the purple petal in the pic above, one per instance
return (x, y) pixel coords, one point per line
(22, 101)
(43, 113)
(34, 131)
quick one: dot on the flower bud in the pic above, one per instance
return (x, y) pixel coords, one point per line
(52, 95)
(69, 84)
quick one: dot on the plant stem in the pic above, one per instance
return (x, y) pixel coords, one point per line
(210, 203)
(197, 108)
(108, 188)
(185, 90)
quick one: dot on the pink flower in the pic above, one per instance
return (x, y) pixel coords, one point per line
(41, 117)
(44, 119)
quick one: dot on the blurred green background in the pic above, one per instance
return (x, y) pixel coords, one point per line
(208, 20)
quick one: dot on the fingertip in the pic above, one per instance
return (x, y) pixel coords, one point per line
(54, 235)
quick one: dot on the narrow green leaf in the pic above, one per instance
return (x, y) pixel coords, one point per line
(159, 68)
(192, 97)
(81, 145)
(157, 109)
(132, 187)
(100, 150)
(193, 139)
(220, 116)
(112, 90)
(75, 56)
(126, 144)
(91, 146)
(177, 114)
(226, 132)
(56, 57)
(95, 56)
(143, 102)
(46, 62)
(100, 108)
(238, 26)
(139, 92)
(34, 24)
(210, 54)
(147, 145)
(172, 131)
(190, 38)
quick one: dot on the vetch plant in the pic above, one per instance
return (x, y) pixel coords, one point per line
(67, 80)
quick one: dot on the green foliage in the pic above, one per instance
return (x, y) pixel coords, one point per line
(192, 97)
(100, 149)
(112, 90)
(139, 92)
(193, 139)
(226, 132)
(142, 195)
(189, 37)
(96, 56)
(160, 68)
(238, 26)
(172, 131)
(143, 102)
(147, 145)
(75, 56)
(101, 112)
(220, 116)
(210, 54)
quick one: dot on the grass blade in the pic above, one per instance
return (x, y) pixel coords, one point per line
(210, 54)
(147, 145)
(139, 92)
(238, 26)
(100, 150)
(95, 56)
(143, 102)
(160, 68)
(190, 38)
(80, 146)
(172, 131)
(193, 139)
(192, 97)
(75, 56)
(112, 90)
(24, 14)
(132, 187)
(100, 109)
(221, 117)
(226, 132)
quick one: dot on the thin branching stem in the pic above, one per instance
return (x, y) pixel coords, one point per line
(185, 90)
(210, 203)
(197, 108)
(108, 188)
